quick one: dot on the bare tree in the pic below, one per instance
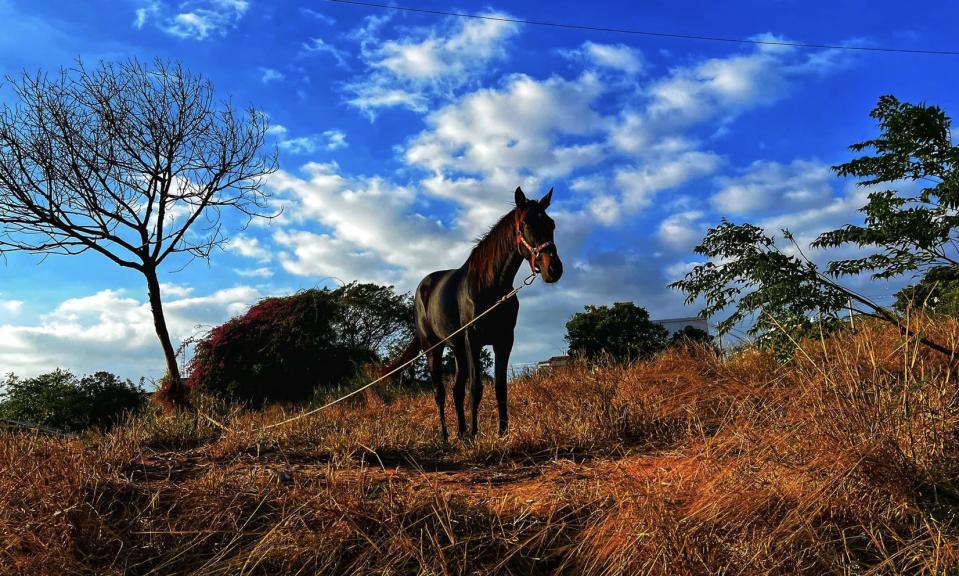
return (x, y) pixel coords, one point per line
(134, 161)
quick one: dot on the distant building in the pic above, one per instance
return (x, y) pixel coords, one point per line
(676, 324)
(554, 362)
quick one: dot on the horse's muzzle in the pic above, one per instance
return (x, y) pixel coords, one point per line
(550, 266)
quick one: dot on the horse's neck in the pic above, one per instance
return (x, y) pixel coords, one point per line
(506, 272)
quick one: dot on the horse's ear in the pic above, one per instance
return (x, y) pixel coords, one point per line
(520, 198)
(545, 200)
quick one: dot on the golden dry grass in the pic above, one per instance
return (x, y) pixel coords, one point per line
(843, 462)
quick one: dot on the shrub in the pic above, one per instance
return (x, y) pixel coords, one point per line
(60, 400)
(284, 348)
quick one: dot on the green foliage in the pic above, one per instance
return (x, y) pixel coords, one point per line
(937, 293)
(787, 295)
(690, 335)
(622, 332)
(784, 294)
(913, 231)
(60, 400)
(283, 348)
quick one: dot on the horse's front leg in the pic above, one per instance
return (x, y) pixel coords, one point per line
(473, 350)
(459, 387)
(435, 362)
(502, 351)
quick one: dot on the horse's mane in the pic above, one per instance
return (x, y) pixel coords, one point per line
(491, 249)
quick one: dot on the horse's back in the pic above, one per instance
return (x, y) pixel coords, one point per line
(437, 311)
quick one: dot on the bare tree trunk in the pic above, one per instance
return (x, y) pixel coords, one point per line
(172, 391)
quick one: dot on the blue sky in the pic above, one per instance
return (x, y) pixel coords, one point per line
(401, 137)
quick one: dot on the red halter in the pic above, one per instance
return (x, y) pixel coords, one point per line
(521, 241)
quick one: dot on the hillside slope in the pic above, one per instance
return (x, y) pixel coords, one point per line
(844, 461)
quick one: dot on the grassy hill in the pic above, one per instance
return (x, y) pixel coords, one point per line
(844, 461)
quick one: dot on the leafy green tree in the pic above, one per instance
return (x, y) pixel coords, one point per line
(372, 317)
(937, 293)
(61, 400)
(690, 335)
(904, 232)
(786, 294)
(622, 332)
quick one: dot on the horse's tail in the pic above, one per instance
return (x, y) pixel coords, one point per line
(410, 352)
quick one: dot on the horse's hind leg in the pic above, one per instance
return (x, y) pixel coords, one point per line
(502, 350)
(459, 388)
(476, 380)
(435, 361)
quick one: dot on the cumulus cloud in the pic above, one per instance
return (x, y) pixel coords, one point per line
(764, 185)
(261, 272)
(268, 75)
(715, 89)
(11, 306)
(638, 186)
(193, 19)
(615, 57)
(480, 147)
(112, 330)
(328, 140)
(425, 63)
(374, 221)
(249, 247)
(682, 230)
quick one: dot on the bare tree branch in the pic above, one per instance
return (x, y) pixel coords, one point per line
(124, 160)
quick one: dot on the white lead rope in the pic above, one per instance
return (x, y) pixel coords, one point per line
(529, 280)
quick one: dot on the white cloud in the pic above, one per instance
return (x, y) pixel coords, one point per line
(319, 46)
(681, 231)
(829, 214)
(513, 130)
(715, 89)
(261, 272)
(175, 290)
(335, 139)
(371, 220)
(618, 57)
(192, 19)
(764, 185)
(249, 247)
(300, 145)
(318, 15)
(639, 185)
(270, 75)
(112, 331)
(426, 63)
(11, 307)
(329, 140)
(322, 255)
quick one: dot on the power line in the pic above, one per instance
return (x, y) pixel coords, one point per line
(648, 33)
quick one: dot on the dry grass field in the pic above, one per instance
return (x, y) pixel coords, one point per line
(842, 462)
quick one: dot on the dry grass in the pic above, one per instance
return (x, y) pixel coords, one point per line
(844, 462)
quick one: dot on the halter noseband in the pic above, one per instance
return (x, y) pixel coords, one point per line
(521, 241)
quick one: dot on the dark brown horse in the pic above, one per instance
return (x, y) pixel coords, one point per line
(449, 299)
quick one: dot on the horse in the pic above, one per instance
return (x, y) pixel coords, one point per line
(446, 300)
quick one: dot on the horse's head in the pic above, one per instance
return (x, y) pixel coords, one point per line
(534, 235)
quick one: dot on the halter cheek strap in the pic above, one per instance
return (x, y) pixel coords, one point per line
(534, 252)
